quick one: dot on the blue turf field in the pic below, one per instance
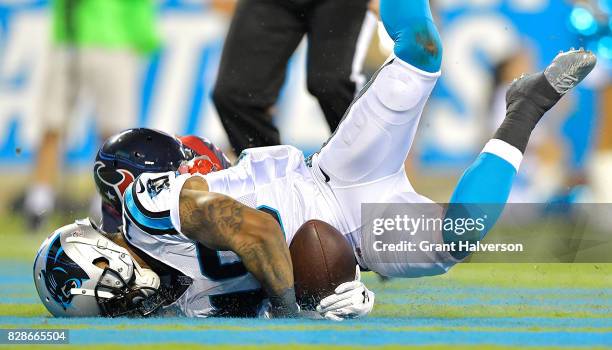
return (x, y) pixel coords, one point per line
(436, 311)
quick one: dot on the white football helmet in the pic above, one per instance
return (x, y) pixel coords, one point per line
(71, 285)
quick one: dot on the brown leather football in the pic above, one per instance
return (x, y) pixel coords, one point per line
(322, 260)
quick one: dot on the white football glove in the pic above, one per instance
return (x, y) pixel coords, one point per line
(351, 300)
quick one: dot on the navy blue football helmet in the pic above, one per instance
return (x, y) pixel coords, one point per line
(125, 156)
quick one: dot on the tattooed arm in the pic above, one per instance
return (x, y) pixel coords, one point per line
(222, 223)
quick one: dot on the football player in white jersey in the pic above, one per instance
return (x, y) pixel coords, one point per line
(82, 270)
(228, 231)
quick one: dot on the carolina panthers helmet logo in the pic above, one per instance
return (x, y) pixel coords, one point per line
(117, 180)
(61, 274)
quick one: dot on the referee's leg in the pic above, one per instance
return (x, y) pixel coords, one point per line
(262, 37)
(339, 33)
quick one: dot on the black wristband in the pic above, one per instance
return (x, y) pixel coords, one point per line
(285, 304)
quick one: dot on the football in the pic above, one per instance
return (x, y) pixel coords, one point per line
(322, 260)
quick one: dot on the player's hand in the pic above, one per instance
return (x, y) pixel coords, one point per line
(351, 300)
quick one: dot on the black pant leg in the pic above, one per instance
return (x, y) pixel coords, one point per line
(334, 27)
(262, 37)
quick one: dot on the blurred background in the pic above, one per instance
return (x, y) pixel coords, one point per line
(162, 74)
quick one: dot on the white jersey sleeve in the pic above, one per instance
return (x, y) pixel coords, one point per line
(151, 202)
(277, 181)
(257, 168)
(147, 208)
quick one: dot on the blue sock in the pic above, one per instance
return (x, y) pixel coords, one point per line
(410, 25)
(482, 192)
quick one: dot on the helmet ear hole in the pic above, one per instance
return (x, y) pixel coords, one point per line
(101, 262)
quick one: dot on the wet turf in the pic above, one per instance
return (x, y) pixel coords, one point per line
(474, 306)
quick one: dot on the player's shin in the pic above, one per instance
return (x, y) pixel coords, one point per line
(483, 191)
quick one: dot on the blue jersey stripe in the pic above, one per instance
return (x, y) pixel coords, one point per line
(155, 223)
